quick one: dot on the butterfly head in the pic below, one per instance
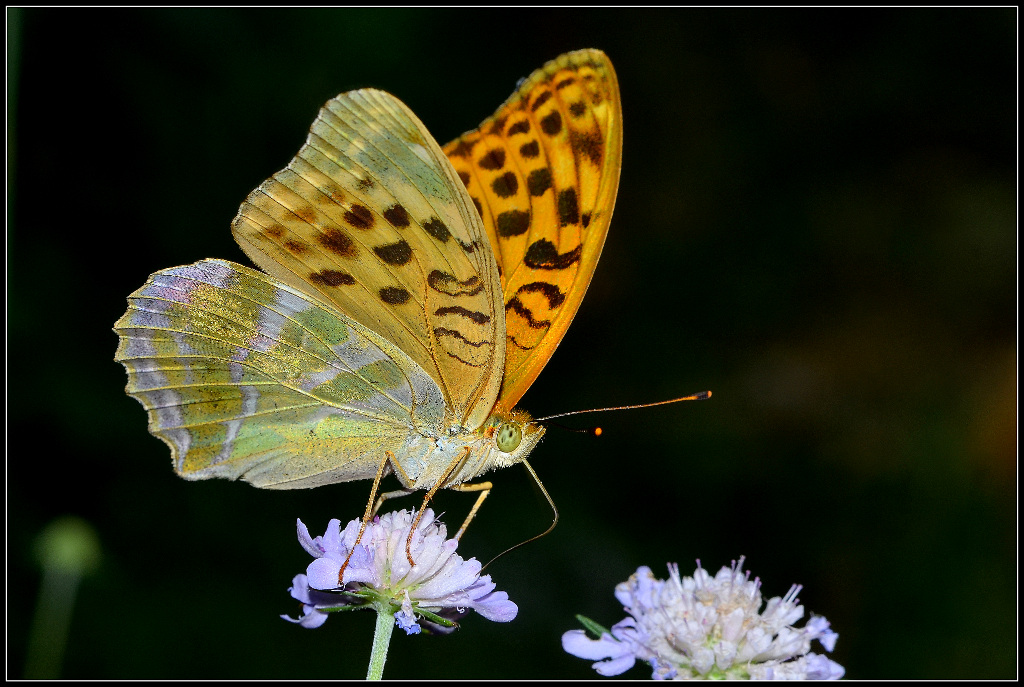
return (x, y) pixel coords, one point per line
(513, 436)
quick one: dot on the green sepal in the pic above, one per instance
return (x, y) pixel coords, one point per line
(434, 618)
(364, 600)
(592, 627)
(383, 601)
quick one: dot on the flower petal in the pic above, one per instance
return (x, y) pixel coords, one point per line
(619, 657)
(823, 668)
(362, 568)
(323, 573)
(331, 541)
(307, 542)
(300, 589)
(577, 643)
(818, 628)
(615, 666)
(495, 606)
(310, 619)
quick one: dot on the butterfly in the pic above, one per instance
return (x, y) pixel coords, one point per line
(409, 295)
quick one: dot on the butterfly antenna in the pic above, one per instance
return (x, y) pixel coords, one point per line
(537, 536)
(692, 397)
(596, 431)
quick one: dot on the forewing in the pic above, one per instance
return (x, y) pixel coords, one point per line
(371, 218)
(246, 377)
(543, 173)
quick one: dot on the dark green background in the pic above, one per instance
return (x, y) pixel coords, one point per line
(816, 220)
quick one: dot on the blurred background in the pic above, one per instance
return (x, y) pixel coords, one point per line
(816, 221)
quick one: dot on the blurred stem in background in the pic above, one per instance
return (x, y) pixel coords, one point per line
(67, 549)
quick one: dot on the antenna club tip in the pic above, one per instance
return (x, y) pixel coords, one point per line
(598, 431)
(707, 394)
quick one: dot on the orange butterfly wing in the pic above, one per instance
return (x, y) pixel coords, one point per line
(543, 172)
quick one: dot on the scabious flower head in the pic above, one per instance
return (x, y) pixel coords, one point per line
(438, 589)
(705, 627)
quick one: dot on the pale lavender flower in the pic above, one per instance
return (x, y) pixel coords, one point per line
(438, 589)
(312, 603)
(705, 627)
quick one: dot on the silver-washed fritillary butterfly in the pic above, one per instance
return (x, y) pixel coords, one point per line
(410, 296)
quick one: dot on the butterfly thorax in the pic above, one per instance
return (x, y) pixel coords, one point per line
(457, 454)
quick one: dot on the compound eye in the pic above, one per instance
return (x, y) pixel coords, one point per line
(510, 435)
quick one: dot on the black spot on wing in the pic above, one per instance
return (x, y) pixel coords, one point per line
(463, 148)
(332, 278)
(394, 295)
(588, 144)
(359, 217)
(441, 332)
(438, 229)
(398, 253)
(493, 160)
(520, 346)
(551, 123)
(541, 99)
(337, 242)
(512, 223)
(471, 315)
(516, 306)
(506, 185)
(568, 209)
(446, 283)
(498, 125)
(539, 181)
(550, 291)
(543, 255)
(521, 127)
(397, 216)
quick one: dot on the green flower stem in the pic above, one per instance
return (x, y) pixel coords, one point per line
(381, 640)
(50, 624)
(67, 549)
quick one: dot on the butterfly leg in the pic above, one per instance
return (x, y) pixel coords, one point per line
(484, 488)
(402, 477)
(371, 509)
(430, 494)
(388, 495)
